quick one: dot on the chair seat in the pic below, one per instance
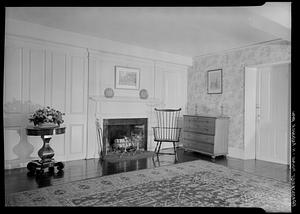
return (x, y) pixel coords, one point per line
(166, 140)
(166, 134)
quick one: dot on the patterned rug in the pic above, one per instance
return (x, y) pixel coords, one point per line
(197, 183)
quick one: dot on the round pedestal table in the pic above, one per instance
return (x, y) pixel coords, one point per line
(45, 153)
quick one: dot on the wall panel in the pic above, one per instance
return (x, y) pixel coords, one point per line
(13, 78)
(58, 81)
(10, 134)
(76, 138)
(77, 85)
(57, 143)
(38, 75)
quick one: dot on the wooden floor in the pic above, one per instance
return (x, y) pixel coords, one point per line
(17, 179)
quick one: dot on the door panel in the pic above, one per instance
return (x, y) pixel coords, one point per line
(273, 105)
(171, 83)
(171, 95)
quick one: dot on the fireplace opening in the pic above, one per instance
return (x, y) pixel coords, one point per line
(124, 135)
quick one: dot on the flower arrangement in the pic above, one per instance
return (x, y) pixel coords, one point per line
(47, 115)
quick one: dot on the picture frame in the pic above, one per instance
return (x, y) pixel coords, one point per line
(127, 78)
(215, 81)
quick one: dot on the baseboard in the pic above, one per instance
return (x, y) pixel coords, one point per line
(90, 156)
(14, 164)
(236, 153)
(275, 161)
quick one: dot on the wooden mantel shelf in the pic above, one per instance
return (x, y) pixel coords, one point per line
(150, 101)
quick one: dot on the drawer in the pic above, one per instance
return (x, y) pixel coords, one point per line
(198, 137)
(202, 123)
(203, 120)
(205, 128)
(205, 147)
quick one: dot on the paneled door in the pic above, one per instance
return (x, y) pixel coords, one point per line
(273, 110)
(172, 89)
(173, 81)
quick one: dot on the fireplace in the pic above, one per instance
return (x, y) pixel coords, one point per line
(124, 134)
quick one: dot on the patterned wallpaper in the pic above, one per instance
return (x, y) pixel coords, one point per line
(232, 98)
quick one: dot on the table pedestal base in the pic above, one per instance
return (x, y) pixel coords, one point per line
(46, 153)
(38, 166)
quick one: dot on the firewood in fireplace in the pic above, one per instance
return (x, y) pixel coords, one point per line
(124, 145)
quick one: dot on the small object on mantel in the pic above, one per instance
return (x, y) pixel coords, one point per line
(144, 94)
(109, 93)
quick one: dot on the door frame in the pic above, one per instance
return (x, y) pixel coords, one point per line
(250, 109)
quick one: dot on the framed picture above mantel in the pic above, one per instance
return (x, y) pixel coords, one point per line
(214, 81)
(127, 78)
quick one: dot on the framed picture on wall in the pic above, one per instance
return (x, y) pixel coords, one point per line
(214, 81)
(127, 78)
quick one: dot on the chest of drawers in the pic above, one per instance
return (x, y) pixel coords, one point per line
(206, 134)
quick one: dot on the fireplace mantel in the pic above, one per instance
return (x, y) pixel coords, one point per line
(149, 101)
(103, 108)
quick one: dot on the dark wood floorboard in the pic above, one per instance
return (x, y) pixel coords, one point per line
(17, 180)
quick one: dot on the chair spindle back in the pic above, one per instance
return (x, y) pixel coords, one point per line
(167, 121)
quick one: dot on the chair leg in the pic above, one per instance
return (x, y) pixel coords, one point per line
(174, 147)
(155, 161)
(175, 152)
(156, 147)
(159, 147)
(176, 158)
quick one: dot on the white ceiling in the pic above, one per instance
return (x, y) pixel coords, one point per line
(186, 31)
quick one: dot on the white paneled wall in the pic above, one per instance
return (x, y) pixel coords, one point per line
(71, 79)
(126, 103)
(38, 75)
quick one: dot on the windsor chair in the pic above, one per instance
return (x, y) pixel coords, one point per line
(167, 129)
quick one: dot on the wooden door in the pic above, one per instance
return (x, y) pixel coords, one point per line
(172, 95)
(273, 104)
(172, 90)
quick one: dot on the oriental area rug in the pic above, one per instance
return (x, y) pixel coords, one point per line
(191, 184)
